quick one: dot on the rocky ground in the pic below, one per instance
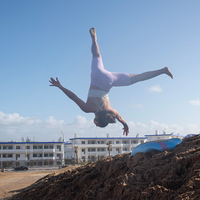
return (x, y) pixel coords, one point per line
(172, 174)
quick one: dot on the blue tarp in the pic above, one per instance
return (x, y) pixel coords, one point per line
(157, 146)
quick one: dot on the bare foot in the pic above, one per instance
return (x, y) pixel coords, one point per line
(93, 34)
(168, 72)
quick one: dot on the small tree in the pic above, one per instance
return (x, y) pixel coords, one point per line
(109, 147)
(76, 151)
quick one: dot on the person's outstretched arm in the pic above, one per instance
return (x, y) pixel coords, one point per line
(121, 120)
(70, 94)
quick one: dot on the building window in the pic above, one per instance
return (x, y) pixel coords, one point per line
(124, 142)
(46, 163)
(34, 147)
(141, 141)
(46, 147)
(39, 147)
(117, 149)
(117, 142)
(83, 158)
(125, 149)
(92, 158)
(7, 147)
(27, 147)
(91, 142)
(7, 155)
(59, 147)
(134, 142)
(39, 155)
(91, 149)
(50, 155)
(0, 147)
(100, 142)
(82, 142)
(46, 155)
(34, 155)
(101, 149)
(59, 156)
(17, 147)
(51, 147)
(83, 150)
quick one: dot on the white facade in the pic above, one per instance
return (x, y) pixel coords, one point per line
(96, 148)
(164, 136)
(88, 149)
(30, 153)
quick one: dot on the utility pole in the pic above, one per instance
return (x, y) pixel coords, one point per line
(63, 157)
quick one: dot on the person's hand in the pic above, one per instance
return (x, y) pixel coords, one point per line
(126, 130)
(55, 82)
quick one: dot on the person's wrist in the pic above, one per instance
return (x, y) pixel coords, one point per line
(125, 125)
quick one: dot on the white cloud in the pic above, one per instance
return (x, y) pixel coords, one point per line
(195, 102)
(14, 127)
(155, 88)
(136, 105)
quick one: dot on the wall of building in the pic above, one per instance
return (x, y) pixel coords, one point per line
(162, 137)
(88, 149)
(97, 148)
(30, 153)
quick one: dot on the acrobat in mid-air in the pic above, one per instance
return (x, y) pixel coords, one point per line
(101, 83)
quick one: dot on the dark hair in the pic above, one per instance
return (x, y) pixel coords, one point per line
(104, 118)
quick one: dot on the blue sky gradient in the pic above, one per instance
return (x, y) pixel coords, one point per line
(43, 39)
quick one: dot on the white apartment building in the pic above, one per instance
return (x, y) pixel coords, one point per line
(30, 153)
(163, 136)
(95, 148)
(88, 149)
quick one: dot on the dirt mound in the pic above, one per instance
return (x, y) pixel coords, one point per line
(173, 174)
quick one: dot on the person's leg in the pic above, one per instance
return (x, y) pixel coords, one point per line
(95, 47)
(148, 75)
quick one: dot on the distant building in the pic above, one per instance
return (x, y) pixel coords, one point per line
(95, 148)
(30, 153)
(163, 136)
(87, 149)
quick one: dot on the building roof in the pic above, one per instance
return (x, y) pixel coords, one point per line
(30, 142)
(108, 138)
(165, 135)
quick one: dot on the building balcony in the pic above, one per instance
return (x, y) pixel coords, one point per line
(101, 152)
(42, 158)
(49, 150)
(92, 153)
(6, 159)
(82, 146)
(16, 151)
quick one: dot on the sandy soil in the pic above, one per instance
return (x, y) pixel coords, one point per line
(13, 182)
(168, 175)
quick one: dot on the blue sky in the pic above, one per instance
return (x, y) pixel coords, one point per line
(43, 39)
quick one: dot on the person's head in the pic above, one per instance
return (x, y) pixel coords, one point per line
(103, 118)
